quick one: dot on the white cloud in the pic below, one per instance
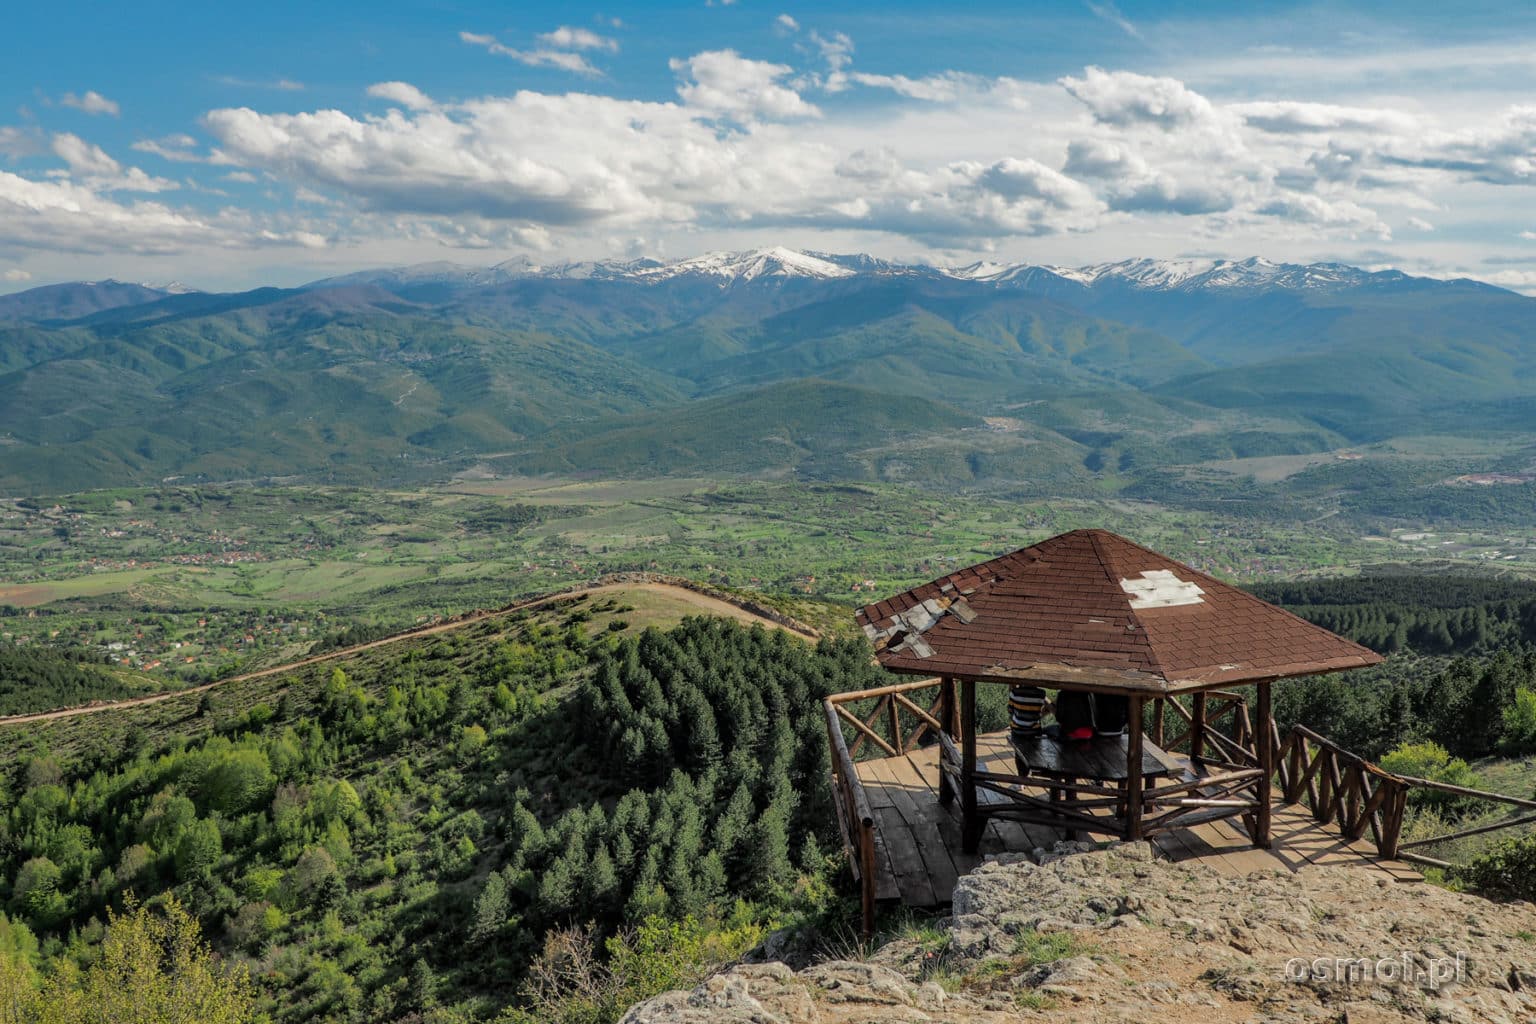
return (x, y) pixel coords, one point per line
(403, 93)
(1315, 210)
(14, 274)
(90, 102)
(91, 163)
(835, 48)
(1099, 161)
(565, 61)
(70, 217)
(1110, 13)
(568, 38)
(784, 23)
(1503, 154)
(17, 143)
(1124, 98)
(176, 148)
(84, 157)
(1290, 116)
(944, 87)
(274, 84)
(724, 82)
(1131, 184)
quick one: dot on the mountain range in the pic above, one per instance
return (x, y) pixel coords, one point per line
(771, 361)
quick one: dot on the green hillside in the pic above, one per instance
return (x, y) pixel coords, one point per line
(1110, 389)
(775, 428)
(288, 388)
(403, 833)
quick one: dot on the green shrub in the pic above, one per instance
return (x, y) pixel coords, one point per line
(1431, 761)
(1519, 735)
(1508, 871)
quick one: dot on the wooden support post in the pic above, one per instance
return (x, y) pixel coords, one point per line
(867, 880)
(1133, 778)
(895, 718)
(947, 721)
(946, 706)
(1393, 807)
(1266, 752)
(1197, 731)
(972, 823)
(1159, 704)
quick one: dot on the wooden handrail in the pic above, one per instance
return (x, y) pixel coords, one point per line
(1359, 795)
(884, 725)
(854, 814)
(850, 696)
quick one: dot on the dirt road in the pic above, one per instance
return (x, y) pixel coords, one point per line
(705, 603)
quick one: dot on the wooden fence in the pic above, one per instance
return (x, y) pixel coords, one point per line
(1214, 730)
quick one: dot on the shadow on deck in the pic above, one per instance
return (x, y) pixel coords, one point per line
(918, 856)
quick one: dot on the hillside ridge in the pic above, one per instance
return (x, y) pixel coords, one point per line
(604, 583)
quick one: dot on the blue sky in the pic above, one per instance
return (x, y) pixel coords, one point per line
(228, 145)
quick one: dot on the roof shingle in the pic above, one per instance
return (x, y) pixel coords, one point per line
(1093, 609)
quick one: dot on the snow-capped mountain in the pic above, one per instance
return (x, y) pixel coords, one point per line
(1199, 275)
(1183, 275)
(749, 266)
(781, 264)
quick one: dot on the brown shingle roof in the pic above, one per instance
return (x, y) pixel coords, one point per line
(1093, 609)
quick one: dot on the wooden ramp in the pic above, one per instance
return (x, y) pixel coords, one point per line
(918, 856)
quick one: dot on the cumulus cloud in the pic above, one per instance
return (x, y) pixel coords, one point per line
(520, 166)
(90, 102)
(84, 157)
(1315, 210)
(102, 173)
(1124, 98)
(948, 159)
(1132, 185)
(567, 38)
(726, 83)
(15, 274)
(72, 217)
(562, 59)
(403, 93)
(1503, 154)
(785, 24)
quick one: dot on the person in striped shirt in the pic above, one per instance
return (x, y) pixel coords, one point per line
(1026, 708)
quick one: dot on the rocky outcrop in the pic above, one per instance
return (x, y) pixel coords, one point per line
(1114, 935)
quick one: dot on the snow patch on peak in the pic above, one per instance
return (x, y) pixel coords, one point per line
(751, 265)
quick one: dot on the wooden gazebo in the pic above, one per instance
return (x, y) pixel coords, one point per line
(1091, 611)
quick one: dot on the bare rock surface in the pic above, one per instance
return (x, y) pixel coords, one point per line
(1114, 935)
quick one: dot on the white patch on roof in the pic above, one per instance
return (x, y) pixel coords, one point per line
(1160, 588)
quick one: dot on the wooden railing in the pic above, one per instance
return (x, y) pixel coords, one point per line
(1342, 788)
(1345, 789)
(1214, 729)
(1200, 727)
(855, 819)
(890, 720)
(889, 717)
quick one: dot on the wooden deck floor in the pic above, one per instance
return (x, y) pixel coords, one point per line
(917, 840)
